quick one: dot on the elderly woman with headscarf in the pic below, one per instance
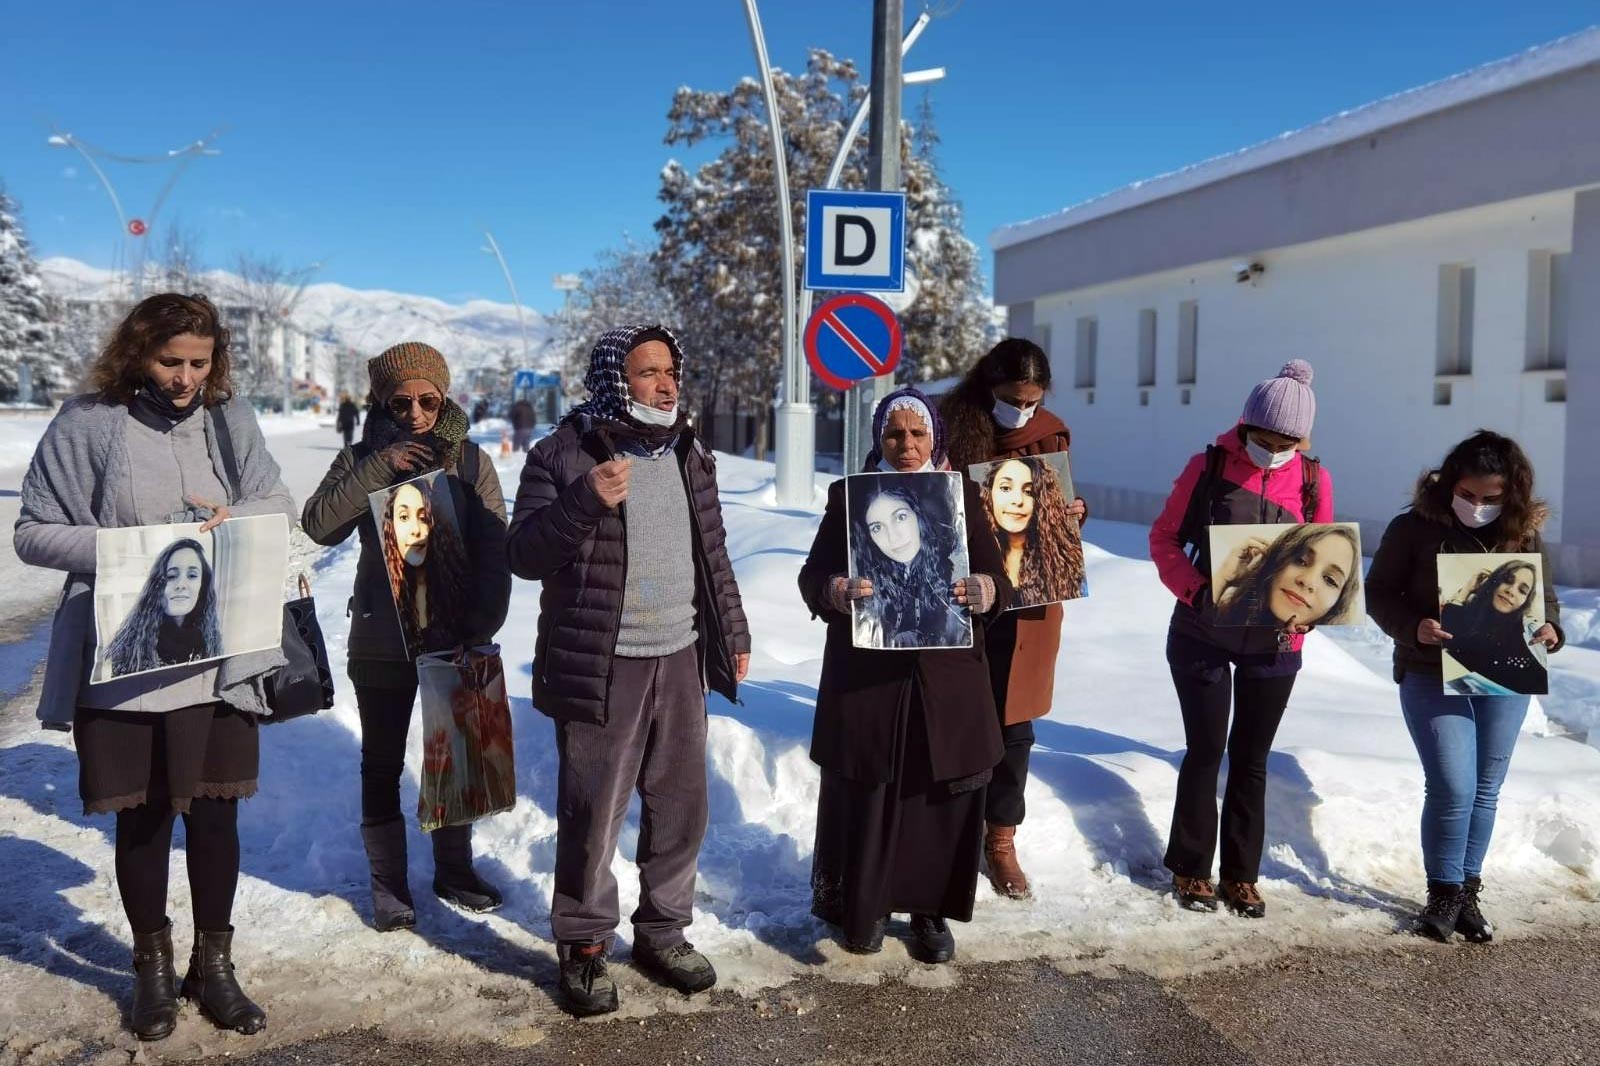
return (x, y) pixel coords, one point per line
(906, 739)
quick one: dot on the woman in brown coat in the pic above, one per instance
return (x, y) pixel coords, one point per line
(996, 413)
(906, 739)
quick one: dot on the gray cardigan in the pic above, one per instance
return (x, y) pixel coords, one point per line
(71, 490)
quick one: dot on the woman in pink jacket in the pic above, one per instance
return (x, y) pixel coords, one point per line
(1257, 473)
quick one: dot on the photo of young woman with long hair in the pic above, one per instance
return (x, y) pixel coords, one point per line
(1026, 501)
(175, 619)
(1491, 620)
(425, 559)
(1276, 576)
(908, 537)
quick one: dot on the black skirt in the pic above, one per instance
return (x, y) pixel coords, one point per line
(129, 758)
(910, 846)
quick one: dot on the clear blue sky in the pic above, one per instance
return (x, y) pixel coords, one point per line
(381, 138)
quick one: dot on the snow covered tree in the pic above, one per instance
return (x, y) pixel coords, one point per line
(720, 251)
(30, 321)
(621, 288)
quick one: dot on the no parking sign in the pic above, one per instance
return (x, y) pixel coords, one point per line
(851, 338)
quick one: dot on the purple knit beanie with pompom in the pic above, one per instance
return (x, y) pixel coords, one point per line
(1284, 404)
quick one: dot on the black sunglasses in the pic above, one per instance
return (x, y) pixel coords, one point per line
(400, 406)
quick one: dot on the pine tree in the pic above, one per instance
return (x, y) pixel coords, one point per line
(30, 330)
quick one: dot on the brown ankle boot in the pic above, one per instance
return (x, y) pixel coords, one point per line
(1000, 856)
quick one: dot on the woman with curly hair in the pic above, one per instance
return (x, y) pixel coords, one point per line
(452, 585)
(158, 439)
(1308, 575)
(1480, 499)
(175, 619)
(910, 564)
(906, 738)
(1032, 519)
(997, 412)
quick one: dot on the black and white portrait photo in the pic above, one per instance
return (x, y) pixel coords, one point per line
(170, 595)
(908, 536)
(1491, 605)
(1025, 500)
(1279, 575)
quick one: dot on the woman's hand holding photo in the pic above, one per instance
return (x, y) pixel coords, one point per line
(975, 591)
(1429, 631)
(407, 455)
(219, 512)
(842, 590)
(1546, 635)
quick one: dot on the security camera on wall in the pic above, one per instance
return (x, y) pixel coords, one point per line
(1247, 271)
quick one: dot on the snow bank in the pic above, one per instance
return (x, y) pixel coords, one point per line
(19, 436)
(1343, 866)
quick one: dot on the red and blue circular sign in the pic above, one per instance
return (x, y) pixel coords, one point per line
(851, 338)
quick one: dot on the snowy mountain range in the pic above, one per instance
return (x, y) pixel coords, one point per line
(471, 334)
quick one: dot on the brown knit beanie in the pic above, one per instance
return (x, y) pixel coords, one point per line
(407, 361)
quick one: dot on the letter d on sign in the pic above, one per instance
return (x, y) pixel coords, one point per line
(842, 224)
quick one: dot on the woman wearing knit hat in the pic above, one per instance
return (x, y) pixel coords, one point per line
(411, 426)
(1256, 473)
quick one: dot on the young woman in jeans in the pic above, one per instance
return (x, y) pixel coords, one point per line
(1479, 500)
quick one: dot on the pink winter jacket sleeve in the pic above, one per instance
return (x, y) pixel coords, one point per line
(1177, 573)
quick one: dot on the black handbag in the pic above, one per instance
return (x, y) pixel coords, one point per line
(303, 685)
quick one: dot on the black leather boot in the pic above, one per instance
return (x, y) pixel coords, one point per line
(391, 894)
(1471, 923)
(210, 983)
(155, 985)
(1438, 918)
(454, 879)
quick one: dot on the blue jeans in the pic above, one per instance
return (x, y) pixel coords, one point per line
(1465, 743)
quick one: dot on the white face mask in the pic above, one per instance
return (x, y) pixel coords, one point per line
(1265, 458)
(1007, 416)
(1475, 516)
(889, 468)
(652, 416)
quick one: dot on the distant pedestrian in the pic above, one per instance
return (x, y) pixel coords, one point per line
(997, 412)
(348, 418)
(1256, 473)
(523, 422)
(147, 447)
(480, 410)
(618, 517)
(907, 739)
(412, 427)
(1480, 499)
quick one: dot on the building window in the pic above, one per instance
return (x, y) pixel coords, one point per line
(1088, 343)
(1042, 333)
(1147, 348)
(1188, 340)
(1457, 285)
(1548, 301)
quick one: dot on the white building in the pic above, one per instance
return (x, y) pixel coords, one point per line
(1435, 256)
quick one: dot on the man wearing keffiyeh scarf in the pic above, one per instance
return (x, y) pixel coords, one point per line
(618, 517)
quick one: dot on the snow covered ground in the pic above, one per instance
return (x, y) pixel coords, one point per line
(1343, 866)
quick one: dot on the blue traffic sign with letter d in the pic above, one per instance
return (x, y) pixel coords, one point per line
(855, 240)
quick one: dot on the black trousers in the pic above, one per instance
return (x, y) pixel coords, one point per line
(385, 721)
(1003, 803)
(349, 435)
(144, 841)
(1211, 683)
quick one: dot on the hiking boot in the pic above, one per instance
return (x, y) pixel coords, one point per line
(1471, 923)
(210, 982)
(1438, 919)
(874, 942)
(680, 966)
(454, 879)
(1194, 893)
(1000, 861)
(585, 981)
(392, 907)
(1242, 898)
(931, 939)
(155, 985)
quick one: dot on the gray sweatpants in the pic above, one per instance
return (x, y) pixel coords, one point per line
(654, 740)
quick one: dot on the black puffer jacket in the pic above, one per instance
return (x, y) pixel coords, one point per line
(562, 535)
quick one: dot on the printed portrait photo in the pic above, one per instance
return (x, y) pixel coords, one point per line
(908, 536)
(1025, 501)
(424, 556)
(1491, 605)
(1278, 575)
(170, 595)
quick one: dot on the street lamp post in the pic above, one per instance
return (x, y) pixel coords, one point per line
(522, 324)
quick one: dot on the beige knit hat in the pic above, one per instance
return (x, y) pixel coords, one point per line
(408, 361)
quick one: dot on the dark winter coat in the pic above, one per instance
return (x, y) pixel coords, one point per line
(349, 414)
(563, 536)
(861, 690)
(1403, 581)
(340, 506)
(522, 415)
